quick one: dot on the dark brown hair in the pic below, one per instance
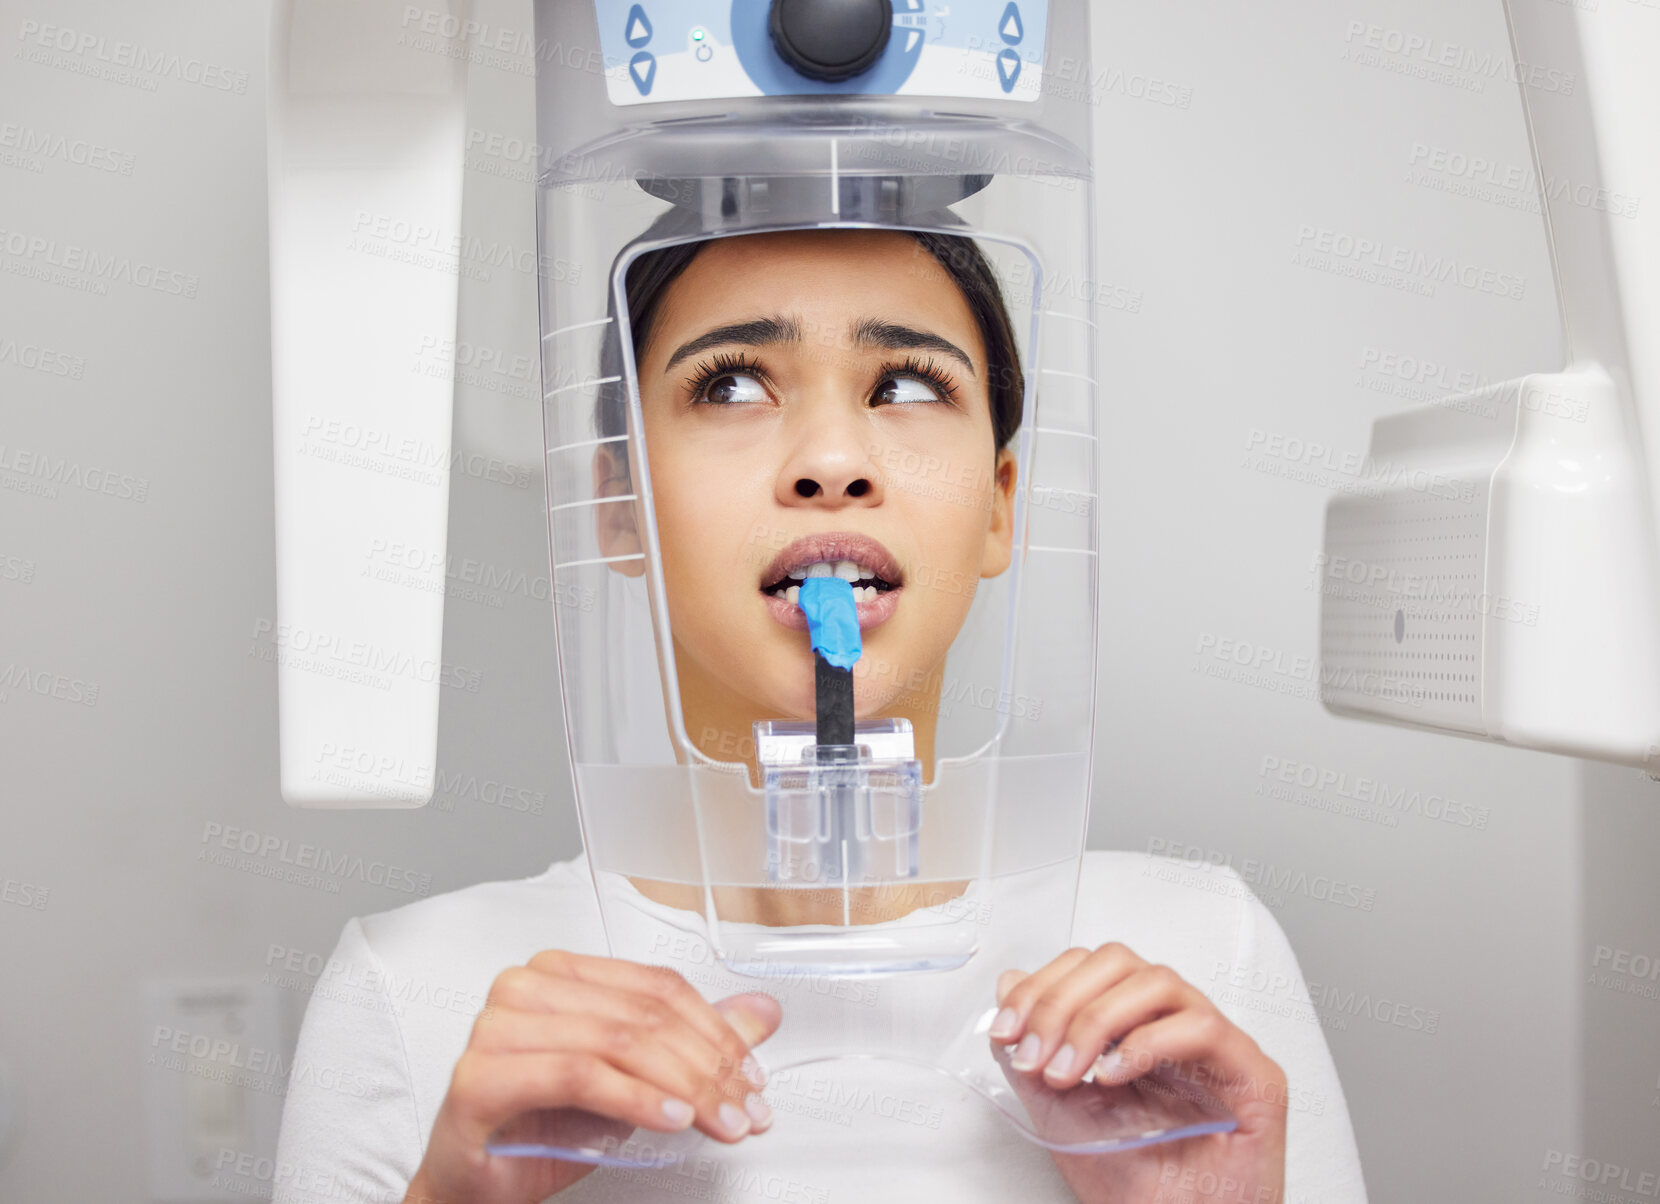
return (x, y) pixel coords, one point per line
(650, 275)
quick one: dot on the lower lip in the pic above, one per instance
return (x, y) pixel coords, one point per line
(871, 614)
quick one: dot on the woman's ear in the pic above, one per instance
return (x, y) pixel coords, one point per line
(614, 522)
(1000, 535)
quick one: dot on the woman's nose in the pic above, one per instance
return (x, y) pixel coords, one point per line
(831, 467)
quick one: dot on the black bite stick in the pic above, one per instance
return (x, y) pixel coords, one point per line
(834, 690)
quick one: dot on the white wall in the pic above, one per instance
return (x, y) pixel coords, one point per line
(1236, 336)
(105, 806)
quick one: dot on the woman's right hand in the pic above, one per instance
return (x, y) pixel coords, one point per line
(593, 1035)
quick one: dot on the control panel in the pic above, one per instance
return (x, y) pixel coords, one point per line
(668, 50)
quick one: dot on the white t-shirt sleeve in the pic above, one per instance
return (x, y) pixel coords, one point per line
(1206, 923)
(1263, 992)
(349, 1126)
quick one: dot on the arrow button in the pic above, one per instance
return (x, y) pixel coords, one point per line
(1008, 69)
(639, 27)
(643, 67)
(1010, 26)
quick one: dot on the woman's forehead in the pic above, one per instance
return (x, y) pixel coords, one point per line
(829, 286)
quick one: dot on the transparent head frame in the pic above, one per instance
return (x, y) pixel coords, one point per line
(987, 842)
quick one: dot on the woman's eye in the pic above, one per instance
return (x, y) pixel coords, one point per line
(905, 388)
(729, 387)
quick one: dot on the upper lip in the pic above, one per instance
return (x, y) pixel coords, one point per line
(833, 546)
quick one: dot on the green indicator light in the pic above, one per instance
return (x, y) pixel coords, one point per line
(697, 35)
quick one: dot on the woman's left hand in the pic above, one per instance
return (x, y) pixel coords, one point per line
(1065, 1016)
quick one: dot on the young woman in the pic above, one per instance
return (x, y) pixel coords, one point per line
(775, 369)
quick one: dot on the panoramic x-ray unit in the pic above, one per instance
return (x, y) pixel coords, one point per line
(693, 122)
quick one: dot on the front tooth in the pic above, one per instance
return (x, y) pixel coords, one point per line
(864, 593)
(821, 569)
(847, 570)
(792, 594)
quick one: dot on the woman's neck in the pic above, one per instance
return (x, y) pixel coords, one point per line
(788, 907)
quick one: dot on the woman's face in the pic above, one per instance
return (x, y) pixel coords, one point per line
(818, 396)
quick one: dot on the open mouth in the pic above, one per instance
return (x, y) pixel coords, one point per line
(867, 583)
(862, 562)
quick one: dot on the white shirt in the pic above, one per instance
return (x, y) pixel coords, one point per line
(392, 1012)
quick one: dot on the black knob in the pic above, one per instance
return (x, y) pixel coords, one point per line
(830, 39)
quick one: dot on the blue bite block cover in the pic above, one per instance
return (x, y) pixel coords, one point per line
(832, 619)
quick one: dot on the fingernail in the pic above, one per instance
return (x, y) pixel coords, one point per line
(733, 1121)
(753, 1072)
(758, 1111)
(1026, 1053)
(678, 1112)
(1061, 1062)
(1107, 1063)
(1007, 1021)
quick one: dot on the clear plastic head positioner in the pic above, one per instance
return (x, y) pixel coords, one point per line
(942, 844)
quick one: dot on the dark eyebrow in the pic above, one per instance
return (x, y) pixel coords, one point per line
(756, 332)
(868, 332)
(874, 332)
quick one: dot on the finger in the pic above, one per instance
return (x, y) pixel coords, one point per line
(1049, 1010)
(1016, 994)
(525, 991)
(754, 1016)
(1007, 980)
(1139, 998)
(488, 1090)
(1227, 1062)
(654, 1054)
(660, 982)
